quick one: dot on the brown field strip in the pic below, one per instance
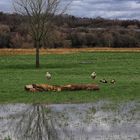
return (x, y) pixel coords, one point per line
(65, 50)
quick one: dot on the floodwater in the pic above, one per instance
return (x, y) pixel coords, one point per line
(102, 120)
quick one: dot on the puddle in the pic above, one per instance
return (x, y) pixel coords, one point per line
(96, 121)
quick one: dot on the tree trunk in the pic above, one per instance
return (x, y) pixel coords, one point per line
(70, 87)
(37, 54)
(37, 58)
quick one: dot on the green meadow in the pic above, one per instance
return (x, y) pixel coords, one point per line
(16, 71)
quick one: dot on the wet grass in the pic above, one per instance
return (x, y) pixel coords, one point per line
(19, 70)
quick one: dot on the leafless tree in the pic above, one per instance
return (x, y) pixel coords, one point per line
(40, 14)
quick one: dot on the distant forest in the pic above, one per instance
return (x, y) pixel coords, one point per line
(71, 32)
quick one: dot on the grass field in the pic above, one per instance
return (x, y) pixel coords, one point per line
(18, 70)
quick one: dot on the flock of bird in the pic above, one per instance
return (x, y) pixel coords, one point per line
(93, 76)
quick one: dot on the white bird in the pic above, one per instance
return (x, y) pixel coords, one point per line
(93, 75)
(48, 76)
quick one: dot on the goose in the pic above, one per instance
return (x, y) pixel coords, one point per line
(113, 81)
(103, 81)
(48, 76)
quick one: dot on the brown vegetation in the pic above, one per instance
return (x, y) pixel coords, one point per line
(72, 32)
(64, 50)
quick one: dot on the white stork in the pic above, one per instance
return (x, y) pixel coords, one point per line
(93, 75)
(48, 76)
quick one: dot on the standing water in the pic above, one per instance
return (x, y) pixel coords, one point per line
(96, 121)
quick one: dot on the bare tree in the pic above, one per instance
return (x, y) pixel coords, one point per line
(40, 14)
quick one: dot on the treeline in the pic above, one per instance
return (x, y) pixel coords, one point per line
(106, 38)
(70, 31)
(97, 22)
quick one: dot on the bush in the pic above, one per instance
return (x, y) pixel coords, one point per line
(5, 41)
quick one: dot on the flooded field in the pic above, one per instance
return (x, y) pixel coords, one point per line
(102, 120)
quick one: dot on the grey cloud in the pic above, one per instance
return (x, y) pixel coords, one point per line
(6, 5)
(123, 9)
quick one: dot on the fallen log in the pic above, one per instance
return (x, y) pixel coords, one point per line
(70, 87)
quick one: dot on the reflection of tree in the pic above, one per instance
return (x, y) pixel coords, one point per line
(36, 124)
(39, 122)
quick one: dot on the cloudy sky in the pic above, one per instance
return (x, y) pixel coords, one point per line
(122, 9)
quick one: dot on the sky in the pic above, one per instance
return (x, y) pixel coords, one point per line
(113, 9)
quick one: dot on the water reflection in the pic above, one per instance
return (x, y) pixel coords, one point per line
(35, 124)
(101, 121)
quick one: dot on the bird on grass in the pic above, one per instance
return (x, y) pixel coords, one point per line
(48, 76)
(93, 75)
(103, 81)
(113, 81)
